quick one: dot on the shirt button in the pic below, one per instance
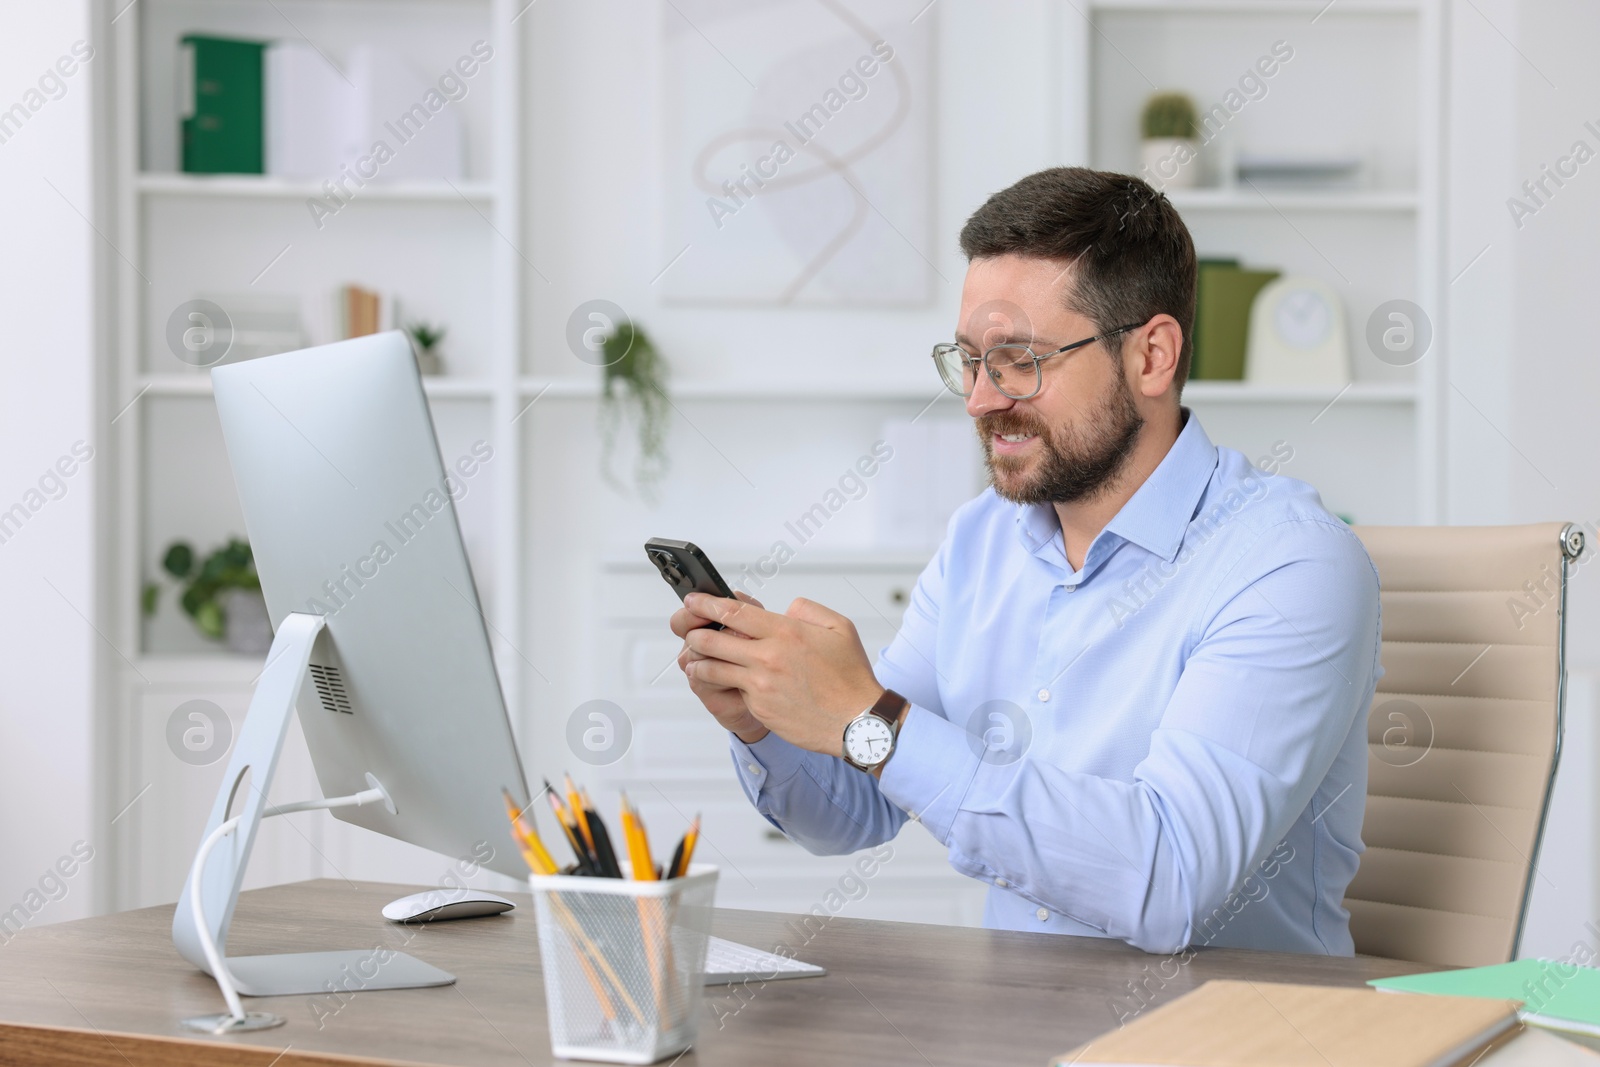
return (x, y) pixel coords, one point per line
(1043, 914)
(1001, 882)
(1044, 695)
(753, 768)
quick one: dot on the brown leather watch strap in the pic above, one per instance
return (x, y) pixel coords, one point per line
(892, 707)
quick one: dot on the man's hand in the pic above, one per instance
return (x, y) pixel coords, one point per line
(726, 705)
(803, 674)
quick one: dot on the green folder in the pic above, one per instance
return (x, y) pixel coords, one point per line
(222, 129)
(1196, 359)
(1224, 295)
(1562, 996)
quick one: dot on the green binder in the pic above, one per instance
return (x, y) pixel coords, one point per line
(1197, 358)
(1222, 318)
(1555, 993)
(222, 126)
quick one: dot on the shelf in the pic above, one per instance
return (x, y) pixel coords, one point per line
(1269, 198)
(441, 386)
(218, 668)
(1212, 392)
(1261, 7)
(259, 187)
(587, 389)
(445, 387)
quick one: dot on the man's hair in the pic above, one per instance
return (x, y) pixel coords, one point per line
(1131, 254)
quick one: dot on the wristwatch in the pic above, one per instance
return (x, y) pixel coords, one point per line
(869, 737)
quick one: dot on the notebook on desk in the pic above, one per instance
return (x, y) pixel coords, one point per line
(1563, 996)
(1261, 1024)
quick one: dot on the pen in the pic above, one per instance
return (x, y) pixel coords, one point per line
(605, 855)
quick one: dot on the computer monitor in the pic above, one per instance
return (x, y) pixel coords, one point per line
(380, 639)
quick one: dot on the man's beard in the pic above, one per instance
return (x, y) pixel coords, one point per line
(1075, 463)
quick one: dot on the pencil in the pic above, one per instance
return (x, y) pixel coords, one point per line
(631, 839)
(638, 850)
(690, 839)
(576, 805)
(585, 864)
(527, 835)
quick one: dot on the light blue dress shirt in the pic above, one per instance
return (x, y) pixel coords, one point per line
(1167, 746)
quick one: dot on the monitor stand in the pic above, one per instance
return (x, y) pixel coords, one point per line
(256, 757)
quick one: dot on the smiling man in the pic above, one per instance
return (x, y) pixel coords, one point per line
(1130, 690)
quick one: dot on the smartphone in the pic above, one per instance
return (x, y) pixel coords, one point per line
(686, 569)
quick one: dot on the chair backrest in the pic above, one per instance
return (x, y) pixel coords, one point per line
(1463, 737)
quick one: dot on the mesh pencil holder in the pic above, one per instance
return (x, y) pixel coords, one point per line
(623, 963)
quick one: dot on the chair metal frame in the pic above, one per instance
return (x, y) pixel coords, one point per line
(1572, 545)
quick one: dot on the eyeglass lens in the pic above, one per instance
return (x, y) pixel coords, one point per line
(1012, 368)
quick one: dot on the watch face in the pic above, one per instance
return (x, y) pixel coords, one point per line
(868, 740)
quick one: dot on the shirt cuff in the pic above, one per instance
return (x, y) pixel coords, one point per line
(933, 764)
(771, 761)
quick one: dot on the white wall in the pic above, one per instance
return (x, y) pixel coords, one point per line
(49, 650)
(1524, 375)
(592, 173)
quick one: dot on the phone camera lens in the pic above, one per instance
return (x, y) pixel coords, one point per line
(667, 566)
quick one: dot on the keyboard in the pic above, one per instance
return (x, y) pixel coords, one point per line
(729, 963)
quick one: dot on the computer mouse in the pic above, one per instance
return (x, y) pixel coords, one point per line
(436, 905)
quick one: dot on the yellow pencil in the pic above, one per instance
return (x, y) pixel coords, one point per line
(689, 841)
(578, 851)
(575, 805)
(638, 844)
(527, 835)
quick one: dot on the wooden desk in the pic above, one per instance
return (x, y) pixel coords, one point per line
(112, 990)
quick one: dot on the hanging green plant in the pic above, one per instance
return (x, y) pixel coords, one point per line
(635, 387)
(230, 567)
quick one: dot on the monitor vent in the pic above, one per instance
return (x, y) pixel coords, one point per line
(330, 687)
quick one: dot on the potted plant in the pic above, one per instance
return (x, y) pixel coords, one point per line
(635, 385)
(222, 595)
(1170, 150)
(425, 341)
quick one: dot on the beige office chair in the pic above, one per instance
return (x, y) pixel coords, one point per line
(1464, 734)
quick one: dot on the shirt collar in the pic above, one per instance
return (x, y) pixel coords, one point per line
(1157, 516)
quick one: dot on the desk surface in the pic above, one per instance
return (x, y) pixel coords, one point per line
(112, 990)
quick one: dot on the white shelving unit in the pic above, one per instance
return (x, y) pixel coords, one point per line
(182, 233)
(1378, 241)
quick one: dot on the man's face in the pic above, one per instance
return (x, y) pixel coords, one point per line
(1068, 441)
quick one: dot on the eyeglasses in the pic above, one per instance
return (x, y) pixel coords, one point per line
(1013, 368)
